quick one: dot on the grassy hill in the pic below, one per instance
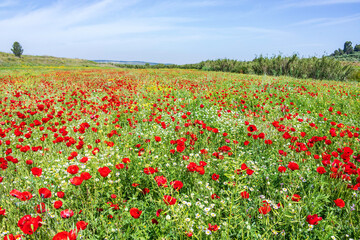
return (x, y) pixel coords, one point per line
(355, 57)
(7, 59)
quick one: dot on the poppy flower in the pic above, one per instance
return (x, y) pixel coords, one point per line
(169, 200)
(161, 181)
(36, 171)
(177, 185)
(158, 212)
(67, 213)
(60, 194)
(40, 208)
(145, 191)
(265, 209)
(296, 198)
(321, 170)
(150, 170)
(85, 175)
(282, 169)
(245, 194)
(339, 202)
(84, 160)
(215, 177)
(58, 204)
(2, 212)
(104, 171)
(125, 160)
(65, 235)
(157, 138)
(293, 166)
(81, 225)
(119, 166)
(73, 169)
(28, 224)
(154, 221)
(76, 181)
(45, 193)
(213, 196)
(249, 171)
(135, 213)
(313, 219)
(252, 128)
(213, 228)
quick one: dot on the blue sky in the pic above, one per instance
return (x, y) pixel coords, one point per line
(175, 31)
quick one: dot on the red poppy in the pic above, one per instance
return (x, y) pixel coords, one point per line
(67, 213)
(252, 128)
(169, 200)
(28, 224)
(293, 166)
(154, 221)
(313, 219)
(36, 171)
(215, 177)
(321, 170)
(265, 209)
(245, 194)
(104, 171)
(45, 193)
(157, 138)
(60, 194)
(76, 181)
(58, 204)
(213, 228)
(65, 235)
(339, 202)
(213, 196)
(161, 181)
(282, 169)
(177, 185)
(119, 166)
(84, 159)
(81, 225)
(150, 170)
(40, 208)
(296, 198)
(158, 212)
(135, 213)
(125, 160)
(85, 175)
(73, 169)
(2, 212)
(145, 191)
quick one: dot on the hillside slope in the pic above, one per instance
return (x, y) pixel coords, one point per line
(7, 59)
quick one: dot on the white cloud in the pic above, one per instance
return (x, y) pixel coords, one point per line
(311, 3)
(321, 22)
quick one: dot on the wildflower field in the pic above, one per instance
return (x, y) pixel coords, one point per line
(177, 154)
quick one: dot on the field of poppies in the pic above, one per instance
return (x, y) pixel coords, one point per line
(177, 154)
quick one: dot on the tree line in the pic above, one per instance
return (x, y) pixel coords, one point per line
(348, 49)
(294, 66)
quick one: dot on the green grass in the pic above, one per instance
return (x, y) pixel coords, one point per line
(7, 59)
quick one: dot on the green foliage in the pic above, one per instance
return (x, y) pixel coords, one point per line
(348, 49)
(316, 68)
(355, 57)
(17, 49)
(357, 48)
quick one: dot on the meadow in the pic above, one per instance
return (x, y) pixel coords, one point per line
(95, 153)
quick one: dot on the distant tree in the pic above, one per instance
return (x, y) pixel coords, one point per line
(341, 52)
(357, 48)
(348, 49)
(336, 53)
(17, 49)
